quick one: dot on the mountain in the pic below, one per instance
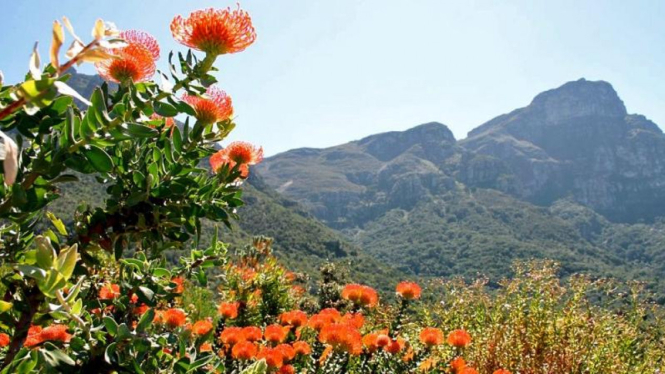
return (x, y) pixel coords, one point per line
(576, 140)
(568, 177)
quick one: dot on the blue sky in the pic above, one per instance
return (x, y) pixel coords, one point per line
(324, 73)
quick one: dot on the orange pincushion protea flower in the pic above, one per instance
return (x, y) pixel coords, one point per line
(431, 336)
(295, 318)
(252, 333)
(395, 346)
(202, 327)
(55, 333)
(180, 284)
(232, 335)
(4, 340)
(244, 350)
(109, 291)
(458, 364)
(382, 339)
(276, 333)
(174, 317)
(324, 318)
(215, 31)
(238, 153)
(459, 338)
(501, 371)
(287, 369)
(228, 310)
(206, 347)
(302, 348)
(468, 370)
(135, 62)
(408, 290)
(360, 295)
(213, 107)
(370, 342)
(356, 320)
(342, 337)
(273, 357)
(34, 336)
(287, 351)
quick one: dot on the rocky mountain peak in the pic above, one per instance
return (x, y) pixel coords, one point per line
(388, 145)
(580, 98)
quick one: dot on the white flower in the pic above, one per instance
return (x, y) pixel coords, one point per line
(9, 155)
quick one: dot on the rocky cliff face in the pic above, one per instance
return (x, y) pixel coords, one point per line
(576, 140)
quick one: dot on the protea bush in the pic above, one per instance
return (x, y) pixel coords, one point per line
(98, 295)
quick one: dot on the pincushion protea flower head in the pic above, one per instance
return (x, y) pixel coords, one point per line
(252, 333)
(295, 318)
(342, 337)
(408, 290)
(459, 338)
(232, 335)
(174, 317)
(238, 153)
(135, 62)
(457, 364)
(273, 357)
(228, 310)
(361, 295)
(109, 291)
(501, 371)
(202, 327)
(276, 333)
(215, 31)
(302, 348)
(244, 350)
(213, 107)
(431, 336)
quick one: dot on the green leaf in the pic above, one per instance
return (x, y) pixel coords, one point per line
(176, 137)
(53, 282)
(147, 293)
(199, 363)
(32, 272)
(111, 326)
(45, 253)
(28, 363)
(77, 308)
(124, 332)
(5, 306)
(259, 367)
(98, 158)
(145, 321)
(67, 261)
(73, 292)
(110, 352)
(139, 131)
(59, 225)
(57, 357)
(162, 273)
(64, 178)
(165, 110)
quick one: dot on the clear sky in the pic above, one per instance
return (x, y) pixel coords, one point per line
(327, 72)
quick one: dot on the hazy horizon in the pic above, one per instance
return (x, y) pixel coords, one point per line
(322, 74)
